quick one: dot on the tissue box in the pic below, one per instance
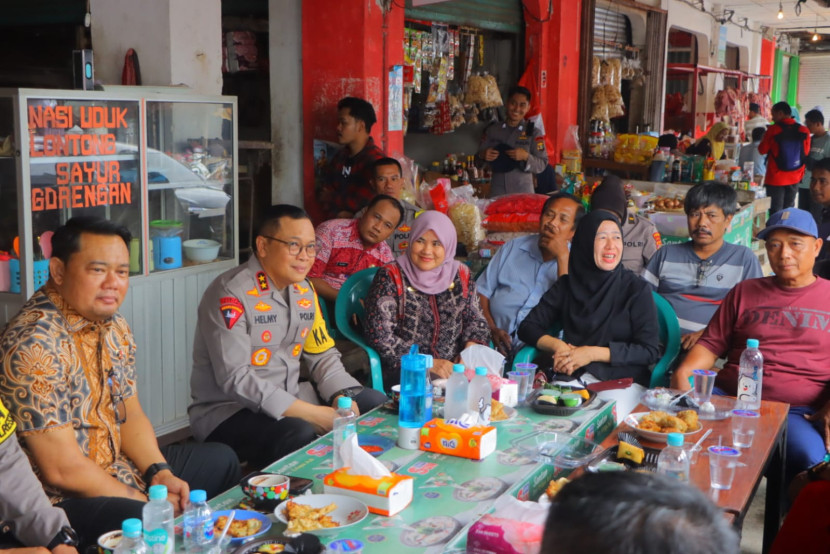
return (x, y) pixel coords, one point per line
(473, 442)
(495, 535)
(508, 394)
(386, 496)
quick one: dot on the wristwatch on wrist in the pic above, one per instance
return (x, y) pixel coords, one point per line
(153, 469)
(66, 536)
(350, 392)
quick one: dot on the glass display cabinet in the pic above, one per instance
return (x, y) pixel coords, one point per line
(160, 161)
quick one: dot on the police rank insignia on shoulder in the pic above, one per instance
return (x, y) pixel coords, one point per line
(262, 281)
(231, 310)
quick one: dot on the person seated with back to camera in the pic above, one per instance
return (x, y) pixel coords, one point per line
(351, 245)
(623, 512)
(788, 314)
(427, 298)
(607, 314)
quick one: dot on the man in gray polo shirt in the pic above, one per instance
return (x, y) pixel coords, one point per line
(696, 275)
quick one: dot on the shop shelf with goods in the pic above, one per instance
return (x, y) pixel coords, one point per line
(159, 161)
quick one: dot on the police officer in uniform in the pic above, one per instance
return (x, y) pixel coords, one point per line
(256, 322)
(515, 148)
(26, 515)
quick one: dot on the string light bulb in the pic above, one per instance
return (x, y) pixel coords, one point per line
(816, 37)
(780, 11)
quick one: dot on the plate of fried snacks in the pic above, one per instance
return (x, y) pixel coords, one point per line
(656, 426)
(500, 412)
(245, 525)
(320, 513)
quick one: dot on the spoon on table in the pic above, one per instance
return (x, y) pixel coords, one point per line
(701, 439)
(225, 530)
(676, 399)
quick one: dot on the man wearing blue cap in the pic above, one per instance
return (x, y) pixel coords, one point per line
(789, 314)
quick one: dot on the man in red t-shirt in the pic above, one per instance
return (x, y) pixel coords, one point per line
(790, 315)
(782, 182)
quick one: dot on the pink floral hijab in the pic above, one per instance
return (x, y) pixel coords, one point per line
(438, 279)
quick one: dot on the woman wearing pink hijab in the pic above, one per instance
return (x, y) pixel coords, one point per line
(424, 297)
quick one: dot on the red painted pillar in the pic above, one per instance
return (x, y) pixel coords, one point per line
(348, 49)
(552, 42)
(767, 64)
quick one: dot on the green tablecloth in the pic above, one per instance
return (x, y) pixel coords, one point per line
(450, 493)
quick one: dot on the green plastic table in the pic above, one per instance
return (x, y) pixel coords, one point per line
(450, 493)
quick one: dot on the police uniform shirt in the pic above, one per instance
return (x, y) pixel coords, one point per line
(248, 345)
(640, 241)
(519, 180)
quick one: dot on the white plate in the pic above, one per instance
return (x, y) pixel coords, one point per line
(633, 421)
(348, 512)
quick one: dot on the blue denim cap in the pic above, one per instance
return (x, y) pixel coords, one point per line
(793, 219)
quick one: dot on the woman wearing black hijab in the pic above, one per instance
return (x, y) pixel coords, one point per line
(607, 313)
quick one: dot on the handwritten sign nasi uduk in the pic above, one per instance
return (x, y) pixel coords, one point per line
(80, 183)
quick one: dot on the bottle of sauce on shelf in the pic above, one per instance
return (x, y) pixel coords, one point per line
(675, 170)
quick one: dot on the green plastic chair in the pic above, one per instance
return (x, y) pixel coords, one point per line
(669, 337)
(349, 305)
(327, 317)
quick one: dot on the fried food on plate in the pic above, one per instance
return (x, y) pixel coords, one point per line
(302, 518)
(497, 412)
(662, 422)
(555, 486)
(690, 417)
(239, 527)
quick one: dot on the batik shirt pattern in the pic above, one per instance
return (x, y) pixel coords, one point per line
(56, 368)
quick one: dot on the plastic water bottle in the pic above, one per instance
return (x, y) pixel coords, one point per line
(673, 460)
(751, 376)
(455, 403)
(479, 395)
(413, 391)
(131, 541)
(198, 524)
(157, 516)
(428, 399)
(344, 428)
(412, 413)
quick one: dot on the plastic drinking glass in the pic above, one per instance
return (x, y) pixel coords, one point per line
(531, 369)
(522, 380)
(704, 382)
(744, 424)
(722, 463)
